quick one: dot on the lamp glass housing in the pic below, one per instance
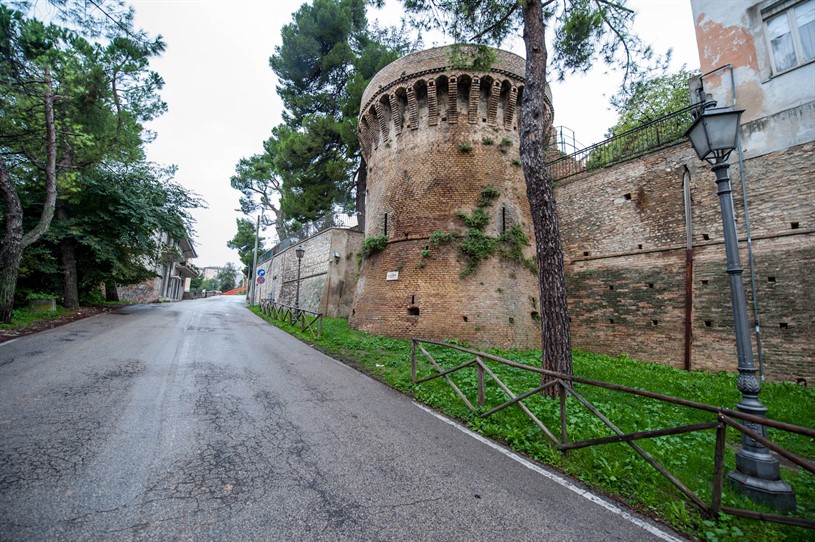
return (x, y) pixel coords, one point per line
(300, 252)
(714, 133)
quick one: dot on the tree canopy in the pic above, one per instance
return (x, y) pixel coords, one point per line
(651, 98)
(72, 109)
(244, 243)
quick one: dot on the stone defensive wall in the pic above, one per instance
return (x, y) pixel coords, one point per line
(434, 135)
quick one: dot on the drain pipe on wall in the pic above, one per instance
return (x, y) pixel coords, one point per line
(688, 270)
(749, 236)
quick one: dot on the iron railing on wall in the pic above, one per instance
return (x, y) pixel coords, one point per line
(721, 420)
(663, 131)
(331, 220)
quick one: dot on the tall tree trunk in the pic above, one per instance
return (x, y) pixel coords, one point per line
(362, 187)
(111, 293)
(536, 121)
(70, 281)
(13, 239)
(12, 249)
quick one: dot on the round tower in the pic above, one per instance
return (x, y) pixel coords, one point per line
(449, 247)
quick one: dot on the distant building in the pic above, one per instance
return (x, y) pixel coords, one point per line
(173, 275)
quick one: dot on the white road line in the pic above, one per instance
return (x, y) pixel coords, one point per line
(659, 533)
(9, 341)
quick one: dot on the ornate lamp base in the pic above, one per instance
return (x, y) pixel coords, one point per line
(758, 477)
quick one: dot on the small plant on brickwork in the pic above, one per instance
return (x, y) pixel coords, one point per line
(487, 140)
(424, 257)
(488, 194)
(505, 144)
(476, 246)
(511, 246)
(438, 237)
(478, 219)
(515, 162)
(372, 245)
(472, 57)
(465, 147)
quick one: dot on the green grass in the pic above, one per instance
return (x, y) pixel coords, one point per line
(23, 317)
(614, 469)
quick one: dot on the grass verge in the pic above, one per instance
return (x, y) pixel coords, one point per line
(613, 469)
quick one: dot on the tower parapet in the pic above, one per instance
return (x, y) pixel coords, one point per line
(434, 135)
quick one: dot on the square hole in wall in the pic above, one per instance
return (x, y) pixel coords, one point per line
(770, 279)
(639, 246)
(610, 286)
(706, 237)
(611, 320)
(705, 282)
(654, 322)
(783, 325)
(794, 225)
(650, 284)
(585, 253)
(627, 196)
(708, 323)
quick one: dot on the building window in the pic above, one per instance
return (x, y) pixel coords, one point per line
(790, 31)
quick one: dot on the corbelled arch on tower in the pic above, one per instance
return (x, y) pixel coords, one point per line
(441, 145)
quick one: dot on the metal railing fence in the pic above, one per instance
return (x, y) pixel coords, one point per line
(724, 418)
(641, 140)
(307, 320)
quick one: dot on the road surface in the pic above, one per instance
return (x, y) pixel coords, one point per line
(199, 421)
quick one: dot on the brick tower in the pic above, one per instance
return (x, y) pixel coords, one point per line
(445, 186)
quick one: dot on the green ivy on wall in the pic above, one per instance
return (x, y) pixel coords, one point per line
(477, 246)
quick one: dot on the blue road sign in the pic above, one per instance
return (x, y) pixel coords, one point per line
(261, 272)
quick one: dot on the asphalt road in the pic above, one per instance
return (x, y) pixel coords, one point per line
(198, 421)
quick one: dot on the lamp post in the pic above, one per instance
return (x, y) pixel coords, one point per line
(300, 252)
(714, 135)
(252, 275)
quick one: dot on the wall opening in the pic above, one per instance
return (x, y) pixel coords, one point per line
(413, 311)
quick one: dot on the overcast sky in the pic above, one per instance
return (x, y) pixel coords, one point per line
(222, 101)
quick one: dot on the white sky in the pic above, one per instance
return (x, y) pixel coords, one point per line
(222, 102)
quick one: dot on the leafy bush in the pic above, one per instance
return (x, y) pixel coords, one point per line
(372, 245)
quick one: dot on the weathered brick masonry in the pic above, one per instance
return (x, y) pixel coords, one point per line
(624, 232)
(624, 236)
(433, 137)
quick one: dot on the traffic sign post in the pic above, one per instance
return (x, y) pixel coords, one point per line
(261, 279)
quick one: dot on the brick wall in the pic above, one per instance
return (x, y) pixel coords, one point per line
(624, 237)
(426, 165)
(624, 231)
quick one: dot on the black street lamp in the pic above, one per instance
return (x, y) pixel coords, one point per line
(300, 252)
(714, 135)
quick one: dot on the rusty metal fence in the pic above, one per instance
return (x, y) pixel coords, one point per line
(665, 130)
(724, 418)
(307, 320)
